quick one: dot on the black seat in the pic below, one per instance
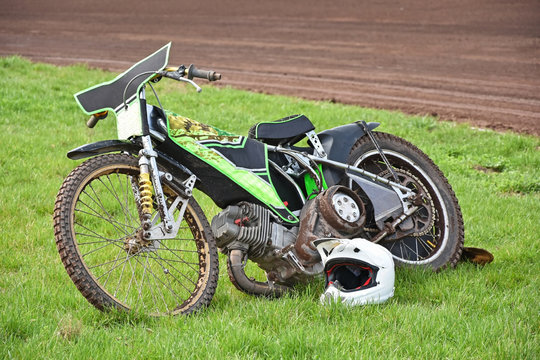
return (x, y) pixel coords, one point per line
(288, 130)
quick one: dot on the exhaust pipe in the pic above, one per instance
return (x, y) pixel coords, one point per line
(235, 267)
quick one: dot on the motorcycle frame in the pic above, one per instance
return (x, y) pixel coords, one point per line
(388, 197)
(169, 226)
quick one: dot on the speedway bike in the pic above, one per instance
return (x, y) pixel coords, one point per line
(132, 235)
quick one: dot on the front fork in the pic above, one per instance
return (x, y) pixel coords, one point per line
(150, 175)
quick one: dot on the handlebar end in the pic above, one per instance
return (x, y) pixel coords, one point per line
(92, 121)
(95, 118)
(193, 72)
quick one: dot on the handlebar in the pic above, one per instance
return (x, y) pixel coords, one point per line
(210, 75)
(191, 72)
(179, 74)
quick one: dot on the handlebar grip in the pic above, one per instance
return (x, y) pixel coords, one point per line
(95, 118)
(210, 75)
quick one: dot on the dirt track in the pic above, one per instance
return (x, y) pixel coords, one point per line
(475, 61)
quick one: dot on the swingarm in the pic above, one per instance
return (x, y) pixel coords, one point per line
(399, 202)
(388, 197)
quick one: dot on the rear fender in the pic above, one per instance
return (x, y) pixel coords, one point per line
(337, 143)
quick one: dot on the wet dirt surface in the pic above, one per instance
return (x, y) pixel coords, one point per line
(473, 61)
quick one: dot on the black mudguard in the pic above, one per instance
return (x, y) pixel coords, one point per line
(102, 147)
(337, 143)
(179, 171)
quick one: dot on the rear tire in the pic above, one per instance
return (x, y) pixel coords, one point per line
(96, 221)
(438, 238)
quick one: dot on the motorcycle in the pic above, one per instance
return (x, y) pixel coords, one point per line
(131, 234)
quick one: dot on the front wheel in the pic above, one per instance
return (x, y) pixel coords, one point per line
(432, 236)
(98, 234)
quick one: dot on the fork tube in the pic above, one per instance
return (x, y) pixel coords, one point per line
(144, 114)
(148, 153)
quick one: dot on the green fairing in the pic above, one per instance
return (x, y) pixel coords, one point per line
(187, 133)
(142, 83)
(311, 186)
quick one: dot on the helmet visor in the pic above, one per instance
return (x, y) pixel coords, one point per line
(351, 276)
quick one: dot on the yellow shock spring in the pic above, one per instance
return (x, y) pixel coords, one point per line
(145, 188)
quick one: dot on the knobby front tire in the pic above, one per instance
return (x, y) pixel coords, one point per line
(96, 219)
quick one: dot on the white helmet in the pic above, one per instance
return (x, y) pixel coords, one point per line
(356, 271)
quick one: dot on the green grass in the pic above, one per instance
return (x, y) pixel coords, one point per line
(467, 312)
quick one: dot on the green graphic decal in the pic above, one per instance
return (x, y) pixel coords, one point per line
(311, 186)
(180, 126)
(188, 134)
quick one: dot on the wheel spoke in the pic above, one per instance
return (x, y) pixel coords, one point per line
(131, 279)
(150, 288)
(105, 263)
(129, 199)
(179, 258)
(114, 267)
(175, 261)
(112, 190)
(156, 278)
(120, 251)
(178, 239)
(167, 270)
(111, 220)
(158, 288)
(94, 242)
(95, 235)
(181, 250)
(97, 215)
(96, 249)
(121, 274)
(424, 245)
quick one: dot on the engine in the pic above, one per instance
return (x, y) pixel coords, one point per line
(286, 254)
(252, 229)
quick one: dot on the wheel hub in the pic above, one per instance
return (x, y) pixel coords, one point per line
(346, 207)
(422, 220)
(136, 243)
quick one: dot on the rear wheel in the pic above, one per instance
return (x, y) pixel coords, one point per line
(432, 236)
(99, 238)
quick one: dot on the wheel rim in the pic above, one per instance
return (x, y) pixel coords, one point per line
(163, 277)
(417, 250)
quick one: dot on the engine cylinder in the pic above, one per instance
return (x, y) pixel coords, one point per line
(246, 224)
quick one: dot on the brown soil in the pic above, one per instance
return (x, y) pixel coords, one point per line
(474, 61)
